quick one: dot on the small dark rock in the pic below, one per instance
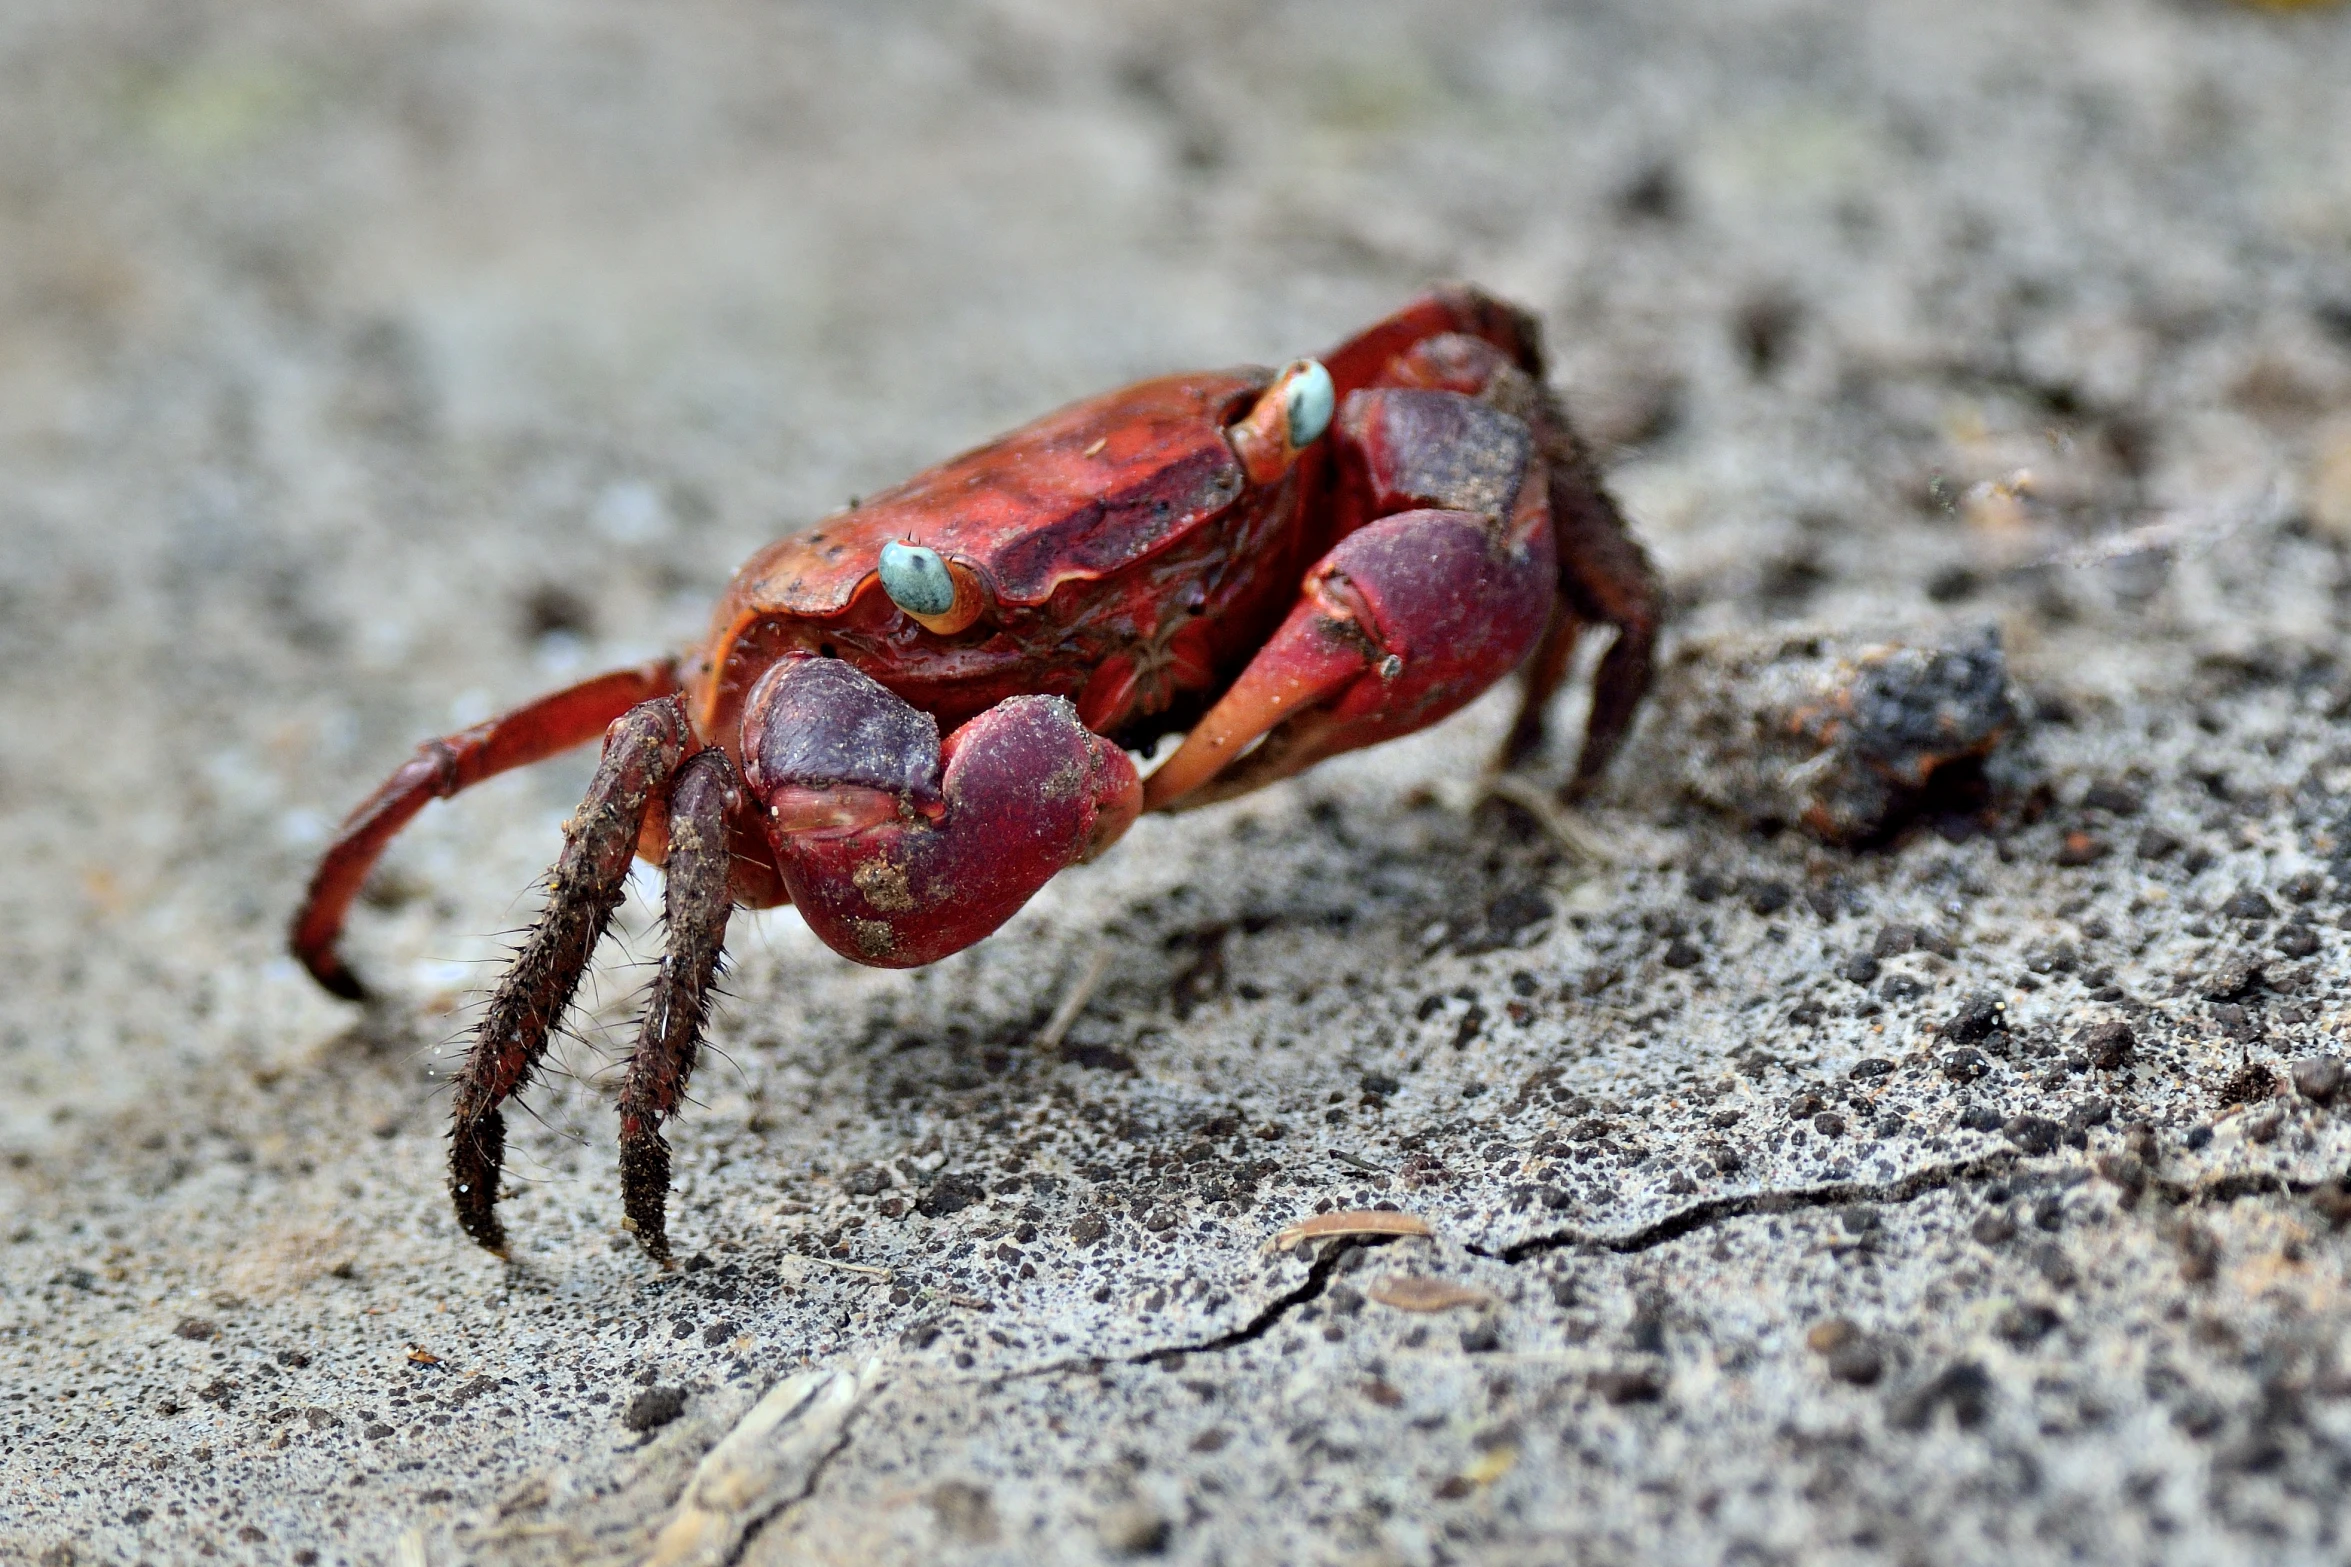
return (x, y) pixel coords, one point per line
(1380, 1084)
(1977, 1016)
(1858, 1218)
(2319, 1078)
(1861, 968)
(2199, 1417)
(2232, 979)
(2025, 1326)
(1829, 1124)
(196, 1328)
(2303, 886)
(2156, 844)
(1680, 954)
(2295, 941)
(1979, 1118)
(2107, 1045)
(654, 1408)
(1965, 1389)
(2247, 904)
(1869, 1068)
(1515, 911)
(2248, 1084)
(1134, 1529)
(1894, 940)
(2032, 1134)
(1481, 1340)
(2113, 796)
(1902, 987)
(1964, 1066)
(1860, 1363)
(1639, 1385)
(1087, 1228)
(1769, 897)
(2199, 1252)
(865, 1181)
(951, 1193)
(2197, 1137)
(2079, 848)
(1804, 1104)
(2049, 1212)
(2093, 1112)
(1993, 1227)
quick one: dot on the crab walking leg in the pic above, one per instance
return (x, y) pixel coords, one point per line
(532, 733)
(696, 903)
(641, 752)
(1605, 578)
(898, 849)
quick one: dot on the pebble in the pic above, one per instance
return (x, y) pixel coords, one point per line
(2109, 795)
(2080, 848)
(2247, 904)
(1993, 1227)
(2319, 1078)
(654, 1408)
(1860, 969)
(1964, 1388)
(1977, 1016)
(1639, 1385)
(1977, 1118)
(2156, 844)
(2032, 1134)
(2303, 886)
(2107, 1045)
(2232, 979)
(1133, 1529)
(1964, 1066)
(1681, 954)
(2295, 941)
(1850, 1354)
(2248, 1084)
(2024, 1326)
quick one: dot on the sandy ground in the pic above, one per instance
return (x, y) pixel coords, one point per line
(367, 366)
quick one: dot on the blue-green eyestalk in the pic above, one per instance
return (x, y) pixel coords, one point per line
(936, 593)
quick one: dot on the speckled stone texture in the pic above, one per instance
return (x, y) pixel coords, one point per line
(1967, 1197)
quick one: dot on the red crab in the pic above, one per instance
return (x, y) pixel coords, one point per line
(1279, 565)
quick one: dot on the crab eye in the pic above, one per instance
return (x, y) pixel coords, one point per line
(916, 579)
(1307, 400)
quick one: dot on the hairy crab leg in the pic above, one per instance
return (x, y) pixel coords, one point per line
(641, 753)
(440, 768)
(696, 903)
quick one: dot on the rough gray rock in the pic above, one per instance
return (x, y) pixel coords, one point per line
(366, 366)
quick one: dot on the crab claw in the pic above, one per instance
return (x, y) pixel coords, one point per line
(1401, 623)
(899, 849)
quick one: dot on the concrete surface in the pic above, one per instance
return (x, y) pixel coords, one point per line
(366, 366)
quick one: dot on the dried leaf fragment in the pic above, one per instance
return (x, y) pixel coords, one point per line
(1418, 1292)
(1362, 1221)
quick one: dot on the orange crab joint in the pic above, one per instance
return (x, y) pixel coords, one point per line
(1287, 418)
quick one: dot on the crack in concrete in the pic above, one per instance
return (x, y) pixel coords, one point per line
(1700, 1216)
